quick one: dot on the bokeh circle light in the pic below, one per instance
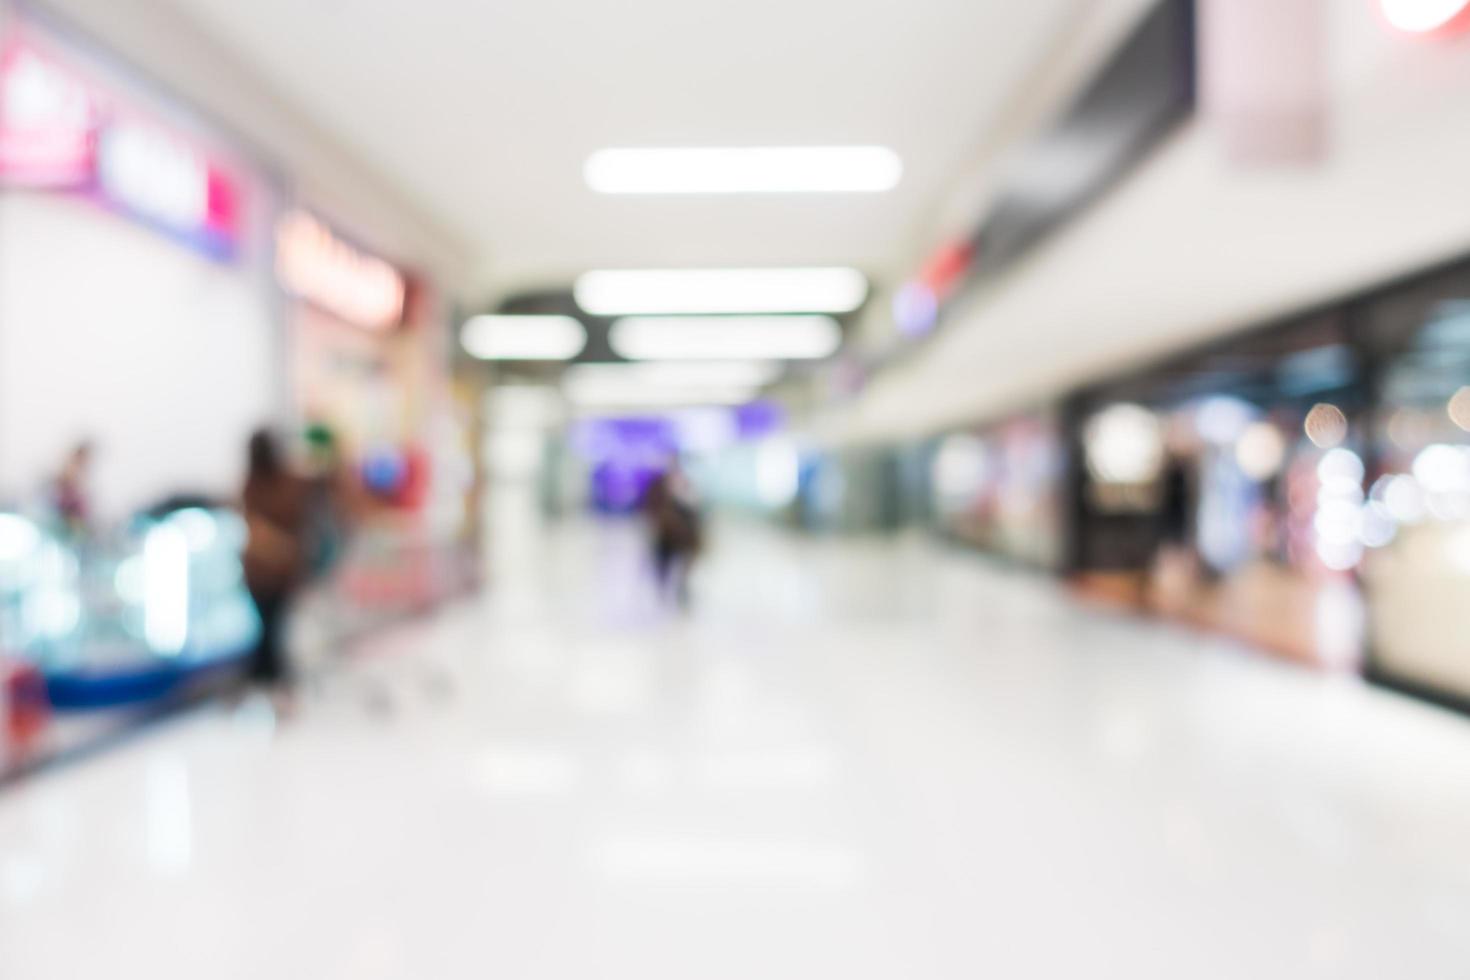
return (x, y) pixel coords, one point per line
(1341, 467)
(1459, 408)
(960, 469)
(915, 309)
(1424, 16)
(1326, 426)
(1124, 443)
(1260, 451)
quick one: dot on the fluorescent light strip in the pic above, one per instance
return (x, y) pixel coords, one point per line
(620, 292)
(744, 170)
(720, 338)
(523, 338)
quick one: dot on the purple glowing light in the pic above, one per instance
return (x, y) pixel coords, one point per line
(915, 309)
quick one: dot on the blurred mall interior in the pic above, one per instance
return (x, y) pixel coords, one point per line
(818, 488)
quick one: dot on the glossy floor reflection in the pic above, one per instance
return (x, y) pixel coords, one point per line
(854, 759)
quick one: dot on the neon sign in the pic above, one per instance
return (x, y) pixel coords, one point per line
(316, 265)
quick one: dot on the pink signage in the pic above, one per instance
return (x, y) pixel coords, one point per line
(59, 130)
(48, 122)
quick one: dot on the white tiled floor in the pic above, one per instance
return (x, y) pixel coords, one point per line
(854, 760)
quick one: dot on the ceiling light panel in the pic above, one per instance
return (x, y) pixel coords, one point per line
(523, 338)
(720, 338)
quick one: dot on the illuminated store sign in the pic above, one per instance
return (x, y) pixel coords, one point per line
(316, 265)
(154, 175)
(48, 122)
(61, 132)
(163, 180)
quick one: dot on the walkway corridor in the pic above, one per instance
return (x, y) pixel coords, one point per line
(883, 759)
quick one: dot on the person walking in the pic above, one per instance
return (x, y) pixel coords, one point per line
(675, 532)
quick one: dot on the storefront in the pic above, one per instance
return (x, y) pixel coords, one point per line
(1000, 487)
(735, 455)
(1416, 521)
(1226, 488)
(347, 329)
(160, 299)
(368, 365)
(853, 489)
(137, 306)
(138, 314)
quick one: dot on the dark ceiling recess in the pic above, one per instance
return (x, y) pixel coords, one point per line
(562, 302)
(1145, 89)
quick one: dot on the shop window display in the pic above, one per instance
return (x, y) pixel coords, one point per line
(129, 618)
(998, 487)
(1227, 489)
(1416, 522)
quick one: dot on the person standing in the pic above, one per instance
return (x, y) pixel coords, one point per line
(330, 507)
(274, 503)
(70, 495)
(1175, 570)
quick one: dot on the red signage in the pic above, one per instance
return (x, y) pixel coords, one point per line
(946, 267)
(314, 263)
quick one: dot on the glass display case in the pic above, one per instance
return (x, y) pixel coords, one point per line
(128, 618)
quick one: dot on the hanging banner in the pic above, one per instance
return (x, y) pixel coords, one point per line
(1263, 79)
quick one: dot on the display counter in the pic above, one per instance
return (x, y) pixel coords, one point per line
(131, 618)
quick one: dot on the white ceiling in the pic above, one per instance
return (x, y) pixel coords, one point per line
(483, 112)
(1193, 247)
